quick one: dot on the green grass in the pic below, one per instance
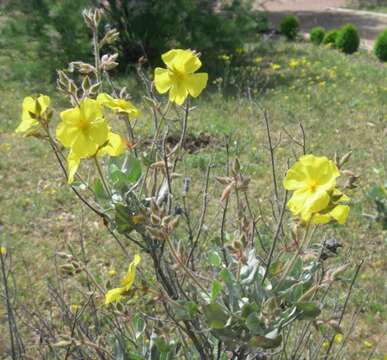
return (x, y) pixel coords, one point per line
(340, 100)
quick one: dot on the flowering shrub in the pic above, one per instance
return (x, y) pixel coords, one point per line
(187, 293)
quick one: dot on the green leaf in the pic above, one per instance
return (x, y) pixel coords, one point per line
(269, 341)
(255, 326)
(122, 219)
(214, 259)
(248, 309)
(139, 326)
(215, 290)
(308, 310)
(99, 192)
(133, 169)
(215, 315)
(186, 311)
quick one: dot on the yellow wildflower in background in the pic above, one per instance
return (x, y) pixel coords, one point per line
(3, 250)
(179, 77)
(224, 57)
(83, 128)
(339, 338)
(311, 178)
(258, 60)
(118, 105)
(275, 67)
(293, 63)
(32, 108)
(116, 294)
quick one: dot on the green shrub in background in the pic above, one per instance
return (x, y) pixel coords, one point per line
(380, 47)
(150, 27)
(348, 39)
(290, 26)
(317, 35)
(330, 37)
(55, 29)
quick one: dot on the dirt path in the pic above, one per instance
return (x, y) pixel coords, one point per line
(329, 14)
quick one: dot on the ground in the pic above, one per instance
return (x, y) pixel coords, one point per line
(329, 14)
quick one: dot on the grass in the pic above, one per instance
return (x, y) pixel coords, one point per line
(339, 99)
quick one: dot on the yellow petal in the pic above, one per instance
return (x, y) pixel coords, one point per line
(90, 109)
(44, 102)
(340, 213)
(184, 61)
(104, 99)
(26, 124)
(73, 162)
(178, 93)
(319, 218)
(71, 116)
(66, 134)
(114, 295)
(195, 83)
(115, 146)
(162, 80)
(169, 56)
(128, 280)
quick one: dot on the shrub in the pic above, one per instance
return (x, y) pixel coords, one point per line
(380, 47)
(290, 26)
(348, 39)
(317, 35)
(330, 37)
(156, 26)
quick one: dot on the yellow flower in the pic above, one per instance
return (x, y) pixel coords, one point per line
(32, 108)
(116, 294)
(311, 178)
(224, 57)
(118, 105)
(3, 250)
(338, 338)
(367, 344)
(275, 67)
(179, 77)
(112, 273)
(293, 63)
(114, 147)
(83, 128)
(258, 60)
(74, 307)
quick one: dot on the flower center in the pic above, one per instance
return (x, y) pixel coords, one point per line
(83, 125)
(179, 75)
(312, 185)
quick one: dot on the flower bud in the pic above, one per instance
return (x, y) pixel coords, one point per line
(110, 37)
(108, 62)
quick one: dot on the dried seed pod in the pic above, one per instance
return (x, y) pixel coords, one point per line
(344, 158)
(224, 180)
(227, 191)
